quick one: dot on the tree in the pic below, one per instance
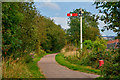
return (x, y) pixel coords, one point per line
(27, 26)
(24, 30)
(17, 28)
(91, 33)
(111, 17)
(55, 37)
(40, 29)
(111, 14)
(11, 17)
(89, 29)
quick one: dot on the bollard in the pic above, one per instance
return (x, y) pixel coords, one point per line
(101, 62)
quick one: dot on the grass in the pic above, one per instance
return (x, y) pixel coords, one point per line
(13, 69)
(61, 60)
(33, 68)
(0, 72)
(20, 69)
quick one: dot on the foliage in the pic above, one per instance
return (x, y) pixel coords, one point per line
(55, 37)
(33, 67)
(111, 17)
(27, 58)
(88, 44)
(17, 19)
(91, 33)
(25, 30)
(89, 29)
(15, 69)
(61, 60)
(99, 44)
(19, 69)
(11, 17)
(91, 53)
(111, 68)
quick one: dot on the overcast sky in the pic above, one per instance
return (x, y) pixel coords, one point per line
(58, 11)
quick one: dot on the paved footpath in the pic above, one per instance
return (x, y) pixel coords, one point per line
(51, 69)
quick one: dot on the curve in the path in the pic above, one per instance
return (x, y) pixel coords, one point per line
(51, 69)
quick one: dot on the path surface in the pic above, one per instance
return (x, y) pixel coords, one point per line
(51, 69)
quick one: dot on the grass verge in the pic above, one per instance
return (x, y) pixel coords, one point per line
(61, 60)
(19, 69)
(33, 68)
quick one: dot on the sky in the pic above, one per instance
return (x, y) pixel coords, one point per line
(58, 11)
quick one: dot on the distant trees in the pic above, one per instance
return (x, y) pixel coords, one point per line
(55, 36)
(89, 29)
(25, 30)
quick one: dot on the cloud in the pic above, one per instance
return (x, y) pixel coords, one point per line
(64, 0)
(49, 4)
(61, 21)
(52, 5)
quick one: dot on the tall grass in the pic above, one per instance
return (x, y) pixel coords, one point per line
(15, 69)
(20, 69)
(68, 48)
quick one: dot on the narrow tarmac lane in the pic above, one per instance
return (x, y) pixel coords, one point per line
(51, 69)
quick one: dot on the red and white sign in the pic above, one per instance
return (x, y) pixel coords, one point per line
(72, 14)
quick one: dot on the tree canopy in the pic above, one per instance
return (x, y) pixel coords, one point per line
(111, 14)
(89, 29)
(24, 30)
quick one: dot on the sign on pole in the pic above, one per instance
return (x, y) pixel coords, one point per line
(72, 14)
(78, 14)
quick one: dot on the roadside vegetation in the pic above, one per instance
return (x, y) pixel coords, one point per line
(22, 67)
(94, 47)
(88, 59)
(61, 59)
(26, 37)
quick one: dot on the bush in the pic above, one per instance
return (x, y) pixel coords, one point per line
(88, 44)
(99, 44)
(111, 68)
(91, 56)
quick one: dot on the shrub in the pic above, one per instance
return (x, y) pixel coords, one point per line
(68, 48)
(111, 68)
(99, 44)
(88, 44)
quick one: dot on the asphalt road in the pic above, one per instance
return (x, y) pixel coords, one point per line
(51, 69)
